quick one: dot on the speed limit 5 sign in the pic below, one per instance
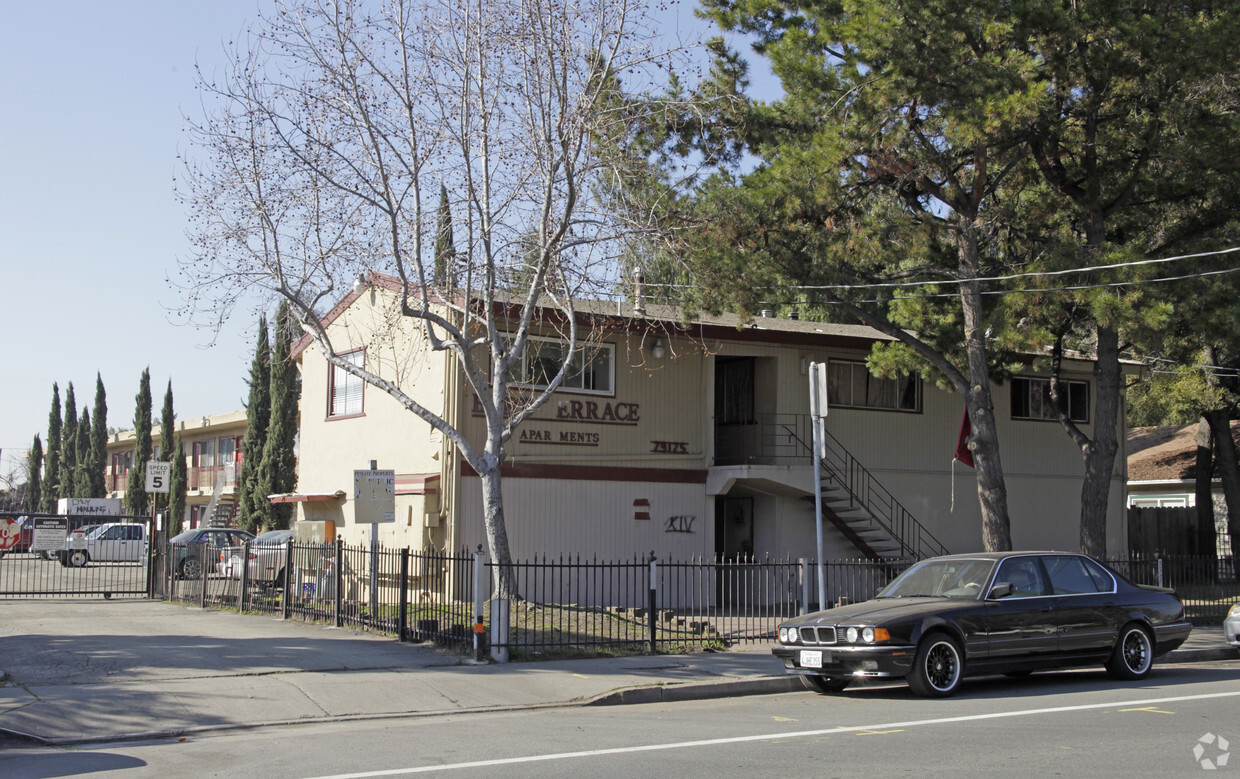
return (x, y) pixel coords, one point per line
(158, 476)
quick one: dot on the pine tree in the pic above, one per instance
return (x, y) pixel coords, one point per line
(257, 416)
(136, 498)
(68, 447)
(278, 470)
(81, 445)
(51, 473)
(167, 420)
(34, 469)
(99, 441)
(177, 490)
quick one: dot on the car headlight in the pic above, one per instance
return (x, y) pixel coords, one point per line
(867, 635)
(1234, 612)
(851, 635)
(793, 636)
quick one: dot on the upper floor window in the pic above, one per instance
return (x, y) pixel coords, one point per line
(344, 391)
(592, 369)
(1031, 399)
(851, 384)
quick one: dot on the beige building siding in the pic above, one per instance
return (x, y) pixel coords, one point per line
(385, 432)
(596, 518)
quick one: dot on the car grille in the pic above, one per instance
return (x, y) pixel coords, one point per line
(818, 635)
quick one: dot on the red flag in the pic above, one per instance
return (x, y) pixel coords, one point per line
(962, 442)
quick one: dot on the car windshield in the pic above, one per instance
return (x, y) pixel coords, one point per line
(955, 578)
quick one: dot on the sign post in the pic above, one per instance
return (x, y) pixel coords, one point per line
(818, 413)
(374, 501)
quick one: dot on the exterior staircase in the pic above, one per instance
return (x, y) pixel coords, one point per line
(866, 513)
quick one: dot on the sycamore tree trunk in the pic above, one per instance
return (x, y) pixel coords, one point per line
(505, 584)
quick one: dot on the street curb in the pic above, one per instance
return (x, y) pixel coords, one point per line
(771, 685)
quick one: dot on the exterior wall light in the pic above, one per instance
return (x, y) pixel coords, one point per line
(657, 350)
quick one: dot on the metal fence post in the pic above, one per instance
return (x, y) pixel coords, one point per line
(479, 572)
(653, 603)
(804, 585)
(288, 565)
(1160, 572)
(245, 575)
(402, 619)
(338, 582)
(202, 574)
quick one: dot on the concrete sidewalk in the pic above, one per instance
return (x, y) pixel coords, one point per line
(75, 672)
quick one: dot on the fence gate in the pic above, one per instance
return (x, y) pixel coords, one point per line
(55, 555)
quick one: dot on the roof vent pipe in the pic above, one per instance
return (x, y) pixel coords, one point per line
(639, 295)
(767, 313)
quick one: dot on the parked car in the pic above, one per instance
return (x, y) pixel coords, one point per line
(267, 556)
(186, 553)
(1013, 612)
(114, 542)
(1231, 626)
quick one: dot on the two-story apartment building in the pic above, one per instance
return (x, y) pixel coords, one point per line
(213, 457)
(686, 439)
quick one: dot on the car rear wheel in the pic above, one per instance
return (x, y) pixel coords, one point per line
(191, 568)
(78, 558)
(938, 668)
(1133, 655)
(827, 685)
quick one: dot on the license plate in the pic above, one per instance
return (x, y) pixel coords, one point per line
(811, 658)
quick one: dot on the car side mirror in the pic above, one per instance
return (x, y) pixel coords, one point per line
(1000, 590)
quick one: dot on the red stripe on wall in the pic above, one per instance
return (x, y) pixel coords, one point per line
(595, 473)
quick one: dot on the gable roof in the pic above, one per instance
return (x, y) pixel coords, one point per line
(1166, 453)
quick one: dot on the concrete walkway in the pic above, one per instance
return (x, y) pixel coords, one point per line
(74, 672)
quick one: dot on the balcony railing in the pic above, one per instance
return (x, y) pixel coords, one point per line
(203, 478)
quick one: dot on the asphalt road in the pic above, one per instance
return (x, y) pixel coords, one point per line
(1067, 723)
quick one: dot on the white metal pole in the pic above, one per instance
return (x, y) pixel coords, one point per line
(816, 415)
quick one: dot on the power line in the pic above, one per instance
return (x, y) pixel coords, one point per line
(1010, 277)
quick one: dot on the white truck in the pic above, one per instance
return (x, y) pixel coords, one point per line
(115, 542)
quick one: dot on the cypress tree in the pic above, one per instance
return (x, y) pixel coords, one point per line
(167, 420)
(68, 447)
(34, 479)
(257, 418)
(99, 441)
(445, 252)
(177, 490)
(278, 470)
(81, 445)
(136, 498)
(51, 478)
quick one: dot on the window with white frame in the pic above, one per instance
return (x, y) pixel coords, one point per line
(850, 384)
(344, 390)
(591, 371)
(1031, 399)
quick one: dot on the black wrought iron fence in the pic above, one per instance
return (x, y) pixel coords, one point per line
(575, 605)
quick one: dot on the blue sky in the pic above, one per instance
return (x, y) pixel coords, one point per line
(93, 99)
(93, 96)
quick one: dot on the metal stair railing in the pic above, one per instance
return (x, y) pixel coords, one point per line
(782, 437)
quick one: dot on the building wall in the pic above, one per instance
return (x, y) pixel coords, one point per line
(385, 432)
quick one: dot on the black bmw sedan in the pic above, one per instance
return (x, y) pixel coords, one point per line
(986, 613)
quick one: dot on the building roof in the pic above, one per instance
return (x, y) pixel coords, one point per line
(1166, 453)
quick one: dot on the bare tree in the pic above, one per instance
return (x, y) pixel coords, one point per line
(319, 156)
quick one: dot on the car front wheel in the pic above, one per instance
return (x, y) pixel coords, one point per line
(1133, 655)
(938, 668)
(191, 568)
(78, 558)
(827, 685)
